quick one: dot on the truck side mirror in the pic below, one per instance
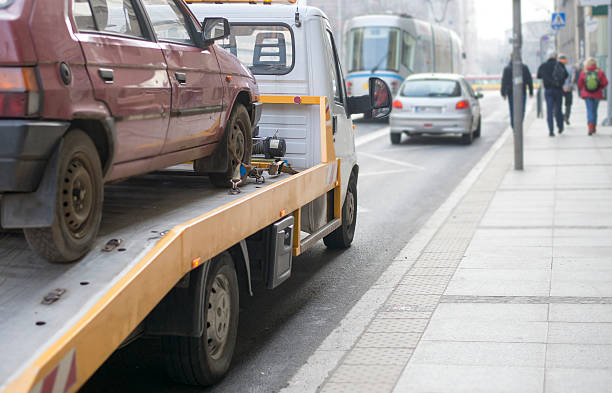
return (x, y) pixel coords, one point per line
(378, 102)
(380, 98)
(214, 29)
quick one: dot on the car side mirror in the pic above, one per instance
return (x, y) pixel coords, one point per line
(378, 102)
(214, 29)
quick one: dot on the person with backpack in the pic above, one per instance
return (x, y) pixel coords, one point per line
(507, 88)
(553, 75)
(568, 87)
(591, 83)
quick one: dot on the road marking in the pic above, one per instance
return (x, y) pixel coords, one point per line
(340, 341)
(392, 161)
(371, 136)
(362, 209)
(389, 172)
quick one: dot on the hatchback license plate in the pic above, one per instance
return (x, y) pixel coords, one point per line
(428, 109)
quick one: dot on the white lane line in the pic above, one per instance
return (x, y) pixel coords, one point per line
(371, 136)
(389, 172)
(340, 341)
(392, 161)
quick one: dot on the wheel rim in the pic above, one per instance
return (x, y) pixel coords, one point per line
(237, 144)
(350, 208)
(77, 196)
(218, 316)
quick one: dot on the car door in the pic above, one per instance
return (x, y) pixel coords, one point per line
(128, 73)
(197, 89)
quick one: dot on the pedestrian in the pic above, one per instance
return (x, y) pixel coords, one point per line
(568, 87)
(507, 88)
(591, 83)
(553, 75)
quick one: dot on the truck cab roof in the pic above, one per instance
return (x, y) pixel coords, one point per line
(258, 12)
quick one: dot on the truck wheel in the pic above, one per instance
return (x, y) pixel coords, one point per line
(395, 138)
(477, 132)
(78, 203)
(342, 237)
(239, 146)
(204, 360)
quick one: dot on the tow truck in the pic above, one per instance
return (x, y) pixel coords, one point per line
(174, 253)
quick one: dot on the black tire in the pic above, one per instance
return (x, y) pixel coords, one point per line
(467, 139)
(78, 203)
(342, 237)
(239, 144)
(203, 361)
(395, 138)
(477, 132)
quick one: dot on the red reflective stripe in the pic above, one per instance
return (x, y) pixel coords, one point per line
(72, 377)
(49, 381)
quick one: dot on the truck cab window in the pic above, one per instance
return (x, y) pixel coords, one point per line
(337, 80)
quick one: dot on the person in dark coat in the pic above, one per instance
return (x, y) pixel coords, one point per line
(507, 88)
(553, 75)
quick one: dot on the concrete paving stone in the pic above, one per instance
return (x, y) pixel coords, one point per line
(579, 333)
(583, 219)
(392, 276)
(492, 331)
(582, 264)
(585, 288)
(480, 354)
(584, 195)
(431, 271)
(509, 219)
(371, 374)
(506, 262)
(426, 255)
(381, 356)
(451, 263)
(356, 388)
(415, 300)
(583, 241)
(522, 207)
(587, 206)
(385, 325)
(530, 176)
(582, 252)
(572, 380)
(388, 340)
(499, 282)
(581, 313)
(410, 279)
(421, 378)
(495, 237)
(492, 312)
(546, 197)
(579, 356)
(404, 314)
(499, 250)
(420, 289)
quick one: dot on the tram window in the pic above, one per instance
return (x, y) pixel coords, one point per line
(265, 49)
(374, 48)
(408, 50)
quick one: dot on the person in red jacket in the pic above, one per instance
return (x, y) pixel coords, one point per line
(591, 83)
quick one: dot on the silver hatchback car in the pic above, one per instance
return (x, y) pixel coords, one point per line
(436, 104)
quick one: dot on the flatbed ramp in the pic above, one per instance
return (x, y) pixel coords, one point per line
(59, 323)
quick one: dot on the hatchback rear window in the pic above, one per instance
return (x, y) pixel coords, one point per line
(431, 88)
(265, 49)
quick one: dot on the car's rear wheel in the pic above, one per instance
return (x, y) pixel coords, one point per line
(467, 139)
(477, 132)
(396, 138)
(78, 203)
(239, 146)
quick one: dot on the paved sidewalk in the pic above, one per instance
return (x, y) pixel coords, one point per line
(513, 293)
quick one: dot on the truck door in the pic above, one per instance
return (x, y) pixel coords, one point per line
(341, 123)
(128, 73)
(194, 73)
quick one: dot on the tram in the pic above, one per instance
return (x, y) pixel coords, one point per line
(391, 47)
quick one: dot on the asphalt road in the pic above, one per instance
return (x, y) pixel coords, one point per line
(399, 187)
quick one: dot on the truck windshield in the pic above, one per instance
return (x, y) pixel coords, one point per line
(265, 49)
(373, 48)
(430, 88)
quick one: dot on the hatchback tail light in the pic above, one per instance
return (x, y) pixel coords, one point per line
(462, 104)
(19, 92)
(397, 104)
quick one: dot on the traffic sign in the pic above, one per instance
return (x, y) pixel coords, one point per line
(558, 20)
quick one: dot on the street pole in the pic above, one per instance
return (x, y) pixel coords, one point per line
(608, 120)
(517, 85)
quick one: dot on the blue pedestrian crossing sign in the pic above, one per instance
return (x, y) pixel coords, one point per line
(558, 20)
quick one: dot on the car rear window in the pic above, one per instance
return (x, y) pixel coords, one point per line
(431, 88)
(265, 49)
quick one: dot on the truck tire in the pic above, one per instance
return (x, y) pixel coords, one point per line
(204, 360)
(342, 237)
(239, 144)
(78, 203)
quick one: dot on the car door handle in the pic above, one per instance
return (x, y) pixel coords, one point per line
(181, 77)
(107, 75)
(334, 124)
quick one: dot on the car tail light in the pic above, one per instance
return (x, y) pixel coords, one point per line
(397, 104)
(349, 89)
(462, 104)
(19, 92)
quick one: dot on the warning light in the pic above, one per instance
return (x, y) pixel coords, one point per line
(297, 100)
(196, 262)
(283, 213)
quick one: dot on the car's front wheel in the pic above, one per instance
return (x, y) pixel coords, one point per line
(78, 203)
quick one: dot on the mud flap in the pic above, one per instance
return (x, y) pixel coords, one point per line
(33, 209)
